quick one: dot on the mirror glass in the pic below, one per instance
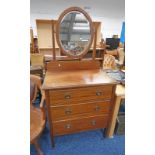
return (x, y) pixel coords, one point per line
(74, 33)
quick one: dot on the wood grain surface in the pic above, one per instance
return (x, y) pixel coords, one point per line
(79, 109)
(79, 124)
(77, 78)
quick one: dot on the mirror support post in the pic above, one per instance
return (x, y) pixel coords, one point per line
(95, 38)
(53, 40)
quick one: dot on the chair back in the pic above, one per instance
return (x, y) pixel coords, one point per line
(109, 62)
(37, 60)
(121, 56)
(32, 91)
(37, 81)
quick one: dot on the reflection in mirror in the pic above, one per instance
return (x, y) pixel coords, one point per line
(74, 33)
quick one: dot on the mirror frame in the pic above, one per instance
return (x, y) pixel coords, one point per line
(62, 15)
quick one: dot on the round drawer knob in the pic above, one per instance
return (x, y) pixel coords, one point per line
(68, 126)
(93, 122)
(67, 97)
(68, 111)
(97, 108)
(98, 93)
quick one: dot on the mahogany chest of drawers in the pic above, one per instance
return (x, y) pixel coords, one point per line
(78, 101)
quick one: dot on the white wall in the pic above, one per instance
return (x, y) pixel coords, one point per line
(110, 12)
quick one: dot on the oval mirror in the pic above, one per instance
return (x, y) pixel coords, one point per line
(74, 32)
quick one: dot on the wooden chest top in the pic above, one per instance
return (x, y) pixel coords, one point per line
(77, 78)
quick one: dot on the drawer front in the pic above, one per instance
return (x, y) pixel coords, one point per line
(80, 94)
(77, 125)
(68, 111)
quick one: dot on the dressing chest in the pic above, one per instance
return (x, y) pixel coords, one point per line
(78, 100)
(79, 94)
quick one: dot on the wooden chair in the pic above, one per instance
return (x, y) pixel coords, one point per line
(112, 52)
(121, 57)
(37, 115)
(109, 62)
(37, 64)
(37, 60)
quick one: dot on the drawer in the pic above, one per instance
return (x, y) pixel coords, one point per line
(67, 111)
(80, 94)
(79, 124)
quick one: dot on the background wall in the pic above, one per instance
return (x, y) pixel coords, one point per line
(110, 12)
